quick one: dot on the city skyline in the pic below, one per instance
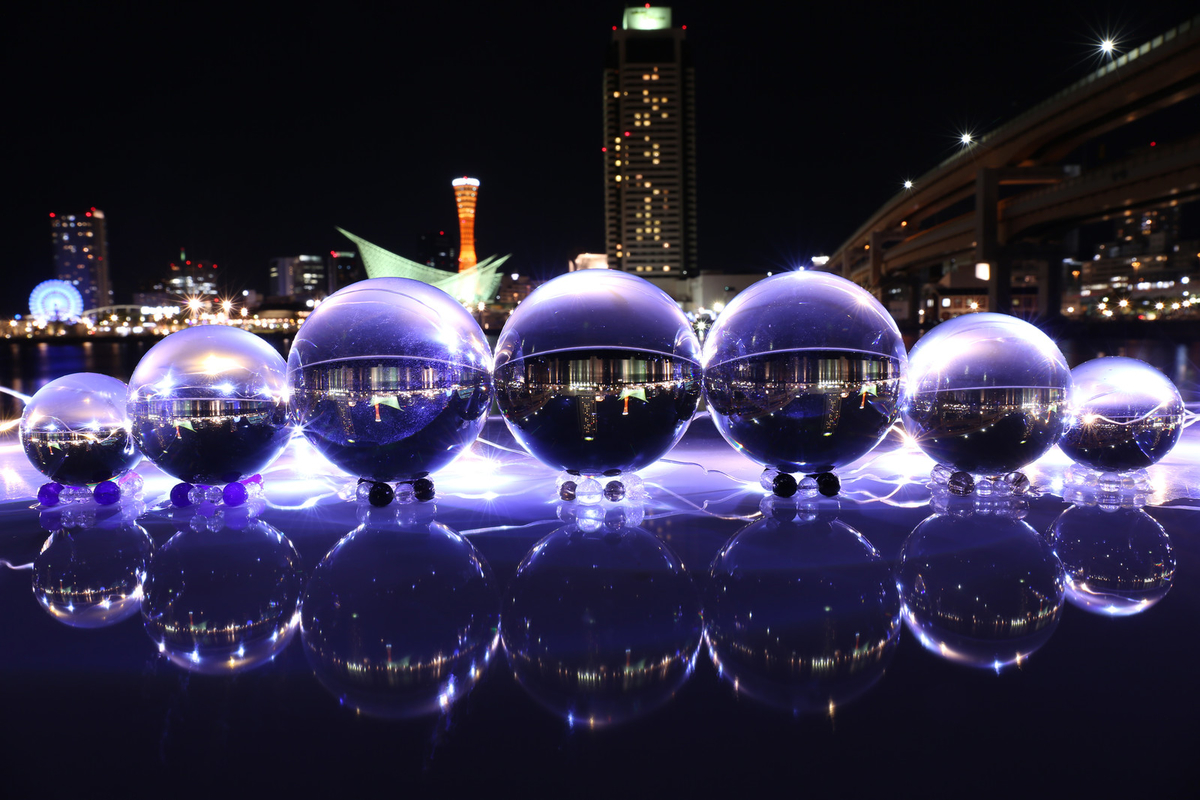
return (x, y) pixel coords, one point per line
(805, 123)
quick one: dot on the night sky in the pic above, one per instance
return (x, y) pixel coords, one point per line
(243, 135)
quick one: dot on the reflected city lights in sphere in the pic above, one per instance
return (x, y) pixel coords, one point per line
(222, 601)
(75, 430)
(598, 370)
(209, 404)
(986, 393)
(803, 372)
(1118, 561)
(802, 616)
(601, 626)
(1124, 415)
(390, 379)
(92, 578)
(400, 620)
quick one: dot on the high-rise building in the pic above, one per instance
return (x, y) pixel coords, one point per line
(649, 147)
(299, 276)
(466, 190)
(436, 249)
(81, 255)
(345, 268)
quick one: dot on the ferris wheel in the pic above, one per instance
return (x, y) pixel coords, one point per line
(57, 301)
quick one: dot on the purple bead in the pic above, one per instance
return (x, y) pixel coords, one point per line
(107, 493)
(235, 494)
(48, 494)
(206, 509)
(179, 495)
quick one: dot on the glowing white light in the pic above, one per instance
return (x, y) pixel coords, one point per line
(966, 138)
(908, 184)
(1107, 46)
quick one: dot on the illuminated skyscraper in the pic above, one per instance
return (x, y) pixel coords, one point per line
(650, 147)
(81, 255)
(465, 192)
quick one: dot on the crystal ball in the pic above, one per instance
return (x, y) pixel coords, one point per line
(803, 372)
(1124, 415)
(601, 626)
(76, 430)
(218, 602)
(801, 616)
(986, 393)
(598, 370)
(1118, 561)
(980, 589)
(390, 379)
(93, 578)
(209, 404)
(399, 620)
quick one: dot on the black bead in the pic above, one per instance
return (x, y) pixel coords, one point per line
(611, 473)
(567, 491)
(381, 494)
(614, 491)
(784, 485)
(423, 489)
(828, 484)
(961, 484)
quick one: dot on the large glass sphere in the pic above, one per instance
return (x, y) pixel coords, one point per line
(598, 370)
(601, 626)
(986, 393)
(981, 589)
(802, 616)
(222, 601)
(76, 430)
(1118, 561)
(390, 378)
(209, 404)
(1125, 415)
(400, 620)
(803, 372)
(92, 578)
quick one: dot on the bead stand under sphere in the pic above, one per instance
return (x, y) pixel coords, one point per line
(209, 404)
(803, 373)
(390, 379)
(1124, 415)
(986, 394)
(598, 370)
(76, 431)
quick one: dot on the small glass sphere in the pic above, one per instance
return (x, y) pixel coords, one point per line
(75, 429)
(1124, 415)
(390, 379)
(986, 393)
(209, 404)
(92, 578)
(601, 626)
(803, 372)
(219, 601)
(801, 616)
(598, 370)
(981, 589)
(1118, 561)
(400, 620)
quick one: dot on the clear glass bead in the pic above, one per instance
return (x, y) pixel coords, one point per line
(588, 491)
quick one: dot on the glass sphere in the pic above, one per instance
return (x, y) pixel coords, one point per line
(390, 379)
(92, 578)
(598, 370)
(1124, 415)
(221, 601)
(803, 372)
(986, 393)
(1118, 561)
(75, 430)
(981, 589)
(209, 404)
(400, 620)
(801, 616)
(601, 626)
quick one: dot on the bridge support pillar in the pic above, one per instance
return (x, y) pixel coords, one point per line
(987, 243)
(1050, 289)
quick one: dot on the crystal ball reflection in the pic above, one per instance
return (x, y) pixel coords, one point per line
(598, 370)
(980, 589)
(1118, 561)
(986, 393)
(223, 601)
(601, 626)
(803, 372)
(802, 616)
(76, 430)
(1125, 415)
(390, 379)
(209, 404)
(400, 620)
(92, 578)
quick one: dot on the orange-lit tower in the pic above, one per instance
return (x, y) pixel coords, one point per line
(465, 191)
